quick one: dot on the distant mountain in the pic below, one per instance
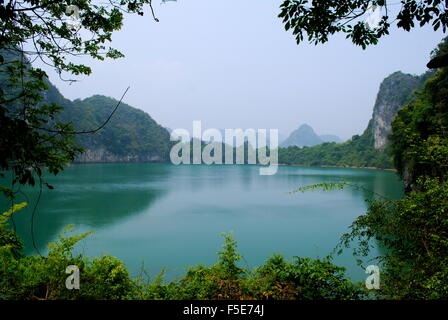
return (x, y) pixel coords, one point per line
(260, 144)
(303, 136)
(370, 148)
(330, 138)
(131, 135)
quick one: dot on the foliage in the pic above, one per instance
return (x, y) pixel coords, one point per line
(441, 49)
(330, 186)
(318, 20)
(26, 144)
(228, 257)
(37, 277)
(31, 137)
(130, 133)
(414, 233)
(224, 280)
(42, 278)
(396, 90)
(359, 151)
(8, 238)
(44, 22)
(420, 133)
(304, 279)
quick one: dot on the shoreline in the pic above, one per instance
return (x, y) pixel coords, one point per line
(278, 164)
(334, 166)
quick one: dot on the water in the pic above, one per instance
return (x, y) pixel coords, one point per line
(162, 215)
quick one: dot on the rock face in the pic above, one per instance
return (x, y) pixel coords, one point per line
(395, 92)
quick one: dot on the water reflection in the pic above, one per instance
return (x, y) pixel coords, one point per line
(171, 216)
(93, 196)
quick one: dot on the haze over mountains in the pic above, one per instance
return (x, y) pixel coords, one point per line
(133, 136)
(305, 136)
(370, 148)
(260, 144)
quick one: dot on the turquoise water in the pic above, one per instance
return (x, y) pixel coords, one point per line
(162, 215)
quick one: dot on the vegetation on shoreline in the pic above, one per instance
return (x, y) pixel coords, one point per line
(358, 152)
(414, 230)
(102, 278)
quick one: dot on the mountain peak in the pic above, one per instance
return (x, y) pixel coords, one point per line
(306, 136)
(303, 136)
(305, 126)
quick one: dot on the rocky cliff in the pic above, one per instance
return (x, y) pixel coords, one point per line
(395, 92)
(367, 149)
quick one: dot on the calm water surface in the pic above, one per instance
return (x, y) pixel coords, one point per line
(162, 215)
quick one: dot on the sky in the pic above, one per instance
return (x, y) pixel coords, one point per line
(231, 64)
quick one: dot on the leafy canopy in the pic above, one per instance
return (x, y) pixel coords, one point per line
(32, 138)
(317, 20)
(413, 231)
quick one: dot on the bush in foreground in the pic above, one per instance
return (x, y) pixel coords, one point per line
(43, 277)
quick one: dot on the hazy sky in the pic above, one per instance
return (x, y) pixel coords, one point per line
(231, 64)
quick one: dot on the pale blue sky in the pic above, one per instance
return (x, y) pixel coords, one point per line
(231, 64)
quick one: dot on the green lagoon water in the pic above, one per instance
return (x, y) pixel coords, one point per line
(162, 215)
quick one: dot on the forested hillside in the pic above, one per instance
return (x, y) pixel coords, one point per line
(359, 151)
(414, 230)
(130, 135)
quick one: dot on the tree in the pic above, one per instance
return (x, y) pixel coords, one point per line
(413, 230)
(39, 29)
(318, 20)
